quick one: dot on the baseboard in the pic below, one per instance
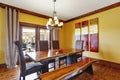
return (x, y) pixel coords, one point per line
(3, 65)
(110, 64)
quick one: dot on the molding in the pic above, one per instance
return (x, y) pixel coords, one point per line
(24, 11)
(94, 12)
(110, 64)
(3, 65)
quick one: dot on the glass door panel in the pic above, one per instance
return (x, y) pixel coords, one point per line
(28, 38)
(44, 34)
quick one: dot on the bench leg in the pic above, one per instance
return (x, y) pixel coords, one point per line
(89, 69)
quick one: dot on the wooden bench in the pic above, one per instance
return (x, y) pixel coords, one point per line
(69, 71)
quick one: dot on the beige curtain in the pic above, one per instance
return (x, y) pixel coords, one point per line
(12, 34)
(55, 34)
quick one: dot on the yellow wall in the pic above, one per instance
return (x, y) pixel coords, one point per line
(109, 39)
(2, 33)
(32, 19)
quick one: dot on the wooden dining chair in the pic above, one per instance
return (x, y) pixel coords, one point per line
(71, 58)
(48, 65)
(43, 45)
(62, 60)
(27, 68)
(55, 44)
(79, 45)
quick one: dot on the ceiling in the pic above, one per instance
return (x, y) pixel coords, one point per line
(66, 9)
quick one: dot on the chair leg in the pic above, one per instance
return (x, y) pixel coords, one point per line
(66, 62)
(37, 79)
(39, 72)
(23, 77)
(59, 63)
(20, 77)
(54, 65)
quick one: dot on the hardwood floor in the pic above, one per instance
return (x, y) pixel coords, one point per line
(9, 74)
(101, 72)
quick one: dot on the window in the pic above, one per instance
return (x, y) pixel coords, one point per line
(88, 33)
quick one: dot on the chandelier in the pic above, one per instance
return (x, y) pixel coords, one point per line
(54, 22)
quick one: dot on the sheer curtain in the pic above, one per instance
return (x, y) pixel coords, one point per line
(55, 41)
(12, 34)
(55, 34)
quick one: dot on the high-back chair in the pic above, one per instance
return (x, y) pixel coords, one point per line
(79, 45)
(43, 45)
(48, 65)
(55, 44)
(62, 60)
(71, 58)
(27, 68)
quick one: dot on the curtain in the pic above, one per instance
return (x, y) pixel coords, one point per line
(12, 34)
(94, 35)
(77, 31)
(55, 34)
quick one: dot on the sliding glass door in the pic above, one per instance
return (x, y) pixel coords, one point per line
(28, 38)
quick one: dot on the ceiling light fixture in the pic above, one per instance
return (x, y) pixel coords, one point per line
(54, 22)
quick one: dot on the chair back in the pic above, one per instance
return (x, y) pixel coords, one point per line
(21, 56)
(79, 44)
(72, 58)
(55, 44)
(43, 45)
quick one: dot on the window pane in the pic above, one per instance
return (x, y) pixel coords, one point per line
(93, 29)
(84, 35)
(44, 34)
(77, 33)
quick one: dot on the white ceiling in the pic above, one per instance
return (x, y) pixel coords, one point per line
(66, 9)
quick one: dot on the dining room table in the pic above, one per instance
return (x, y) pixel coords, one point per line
(39, 56)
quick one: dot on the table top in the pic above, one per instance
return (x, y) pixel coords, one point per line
(42, 55)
